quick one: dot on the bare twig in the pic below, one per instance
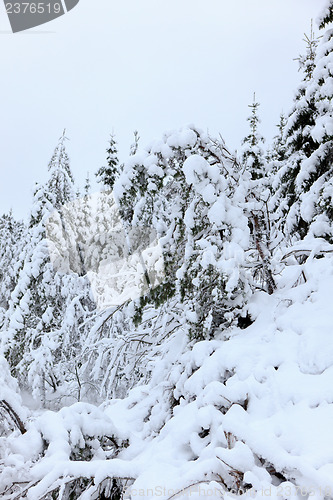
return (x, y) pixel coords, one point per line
(14, 416)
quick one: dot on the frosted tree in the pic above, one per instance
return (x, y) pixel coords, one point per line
(61, 182)
(40, 328)
(256, 183)
(30, 309)
(109, 174)
(164, 200)
(12, 241)
(252, 153)
(278, 150)
(185, 192)
(299, 146)
(315, 179)
(212, 280)
(77, 218)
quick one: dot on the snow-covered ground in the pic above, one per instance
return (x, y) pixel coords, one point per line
(251, 411)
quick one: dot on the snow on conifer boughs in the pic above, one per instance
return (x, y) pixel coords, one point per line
(164, 195)
(109, 174)
(326, 15)
(212, 281)
(61, 182)
(299, 146)
(219, 415)
(256, 191)
(41, 314)
(315, 176)
(252, 152)
(12, 239)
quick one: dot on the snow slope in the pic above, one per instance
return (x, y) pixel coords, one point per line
(250, 412)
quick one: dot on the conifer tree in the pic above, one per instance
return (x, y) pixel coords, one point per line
(256, 185)
(38, 317)
(299, 146)
(30, 308)
(212, 292)
(61, 182)
(315, 178)
(12, 241)
(252, 154)
(326, 16)
(162, 198)
(87, 186)
(109, 174)
(303, 184)
(278, 150)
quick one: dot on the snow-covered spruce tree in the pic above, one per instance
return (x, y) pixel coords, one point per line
(212, 282)
(257, 193)
(184, 192)
(12, 240)
(61, 182)
(40, 330)
(104, 214)
(196, 225)
(299, 145)
(252, 152)
(109, 174)
(30, 309)
(277, 152)
(315, 179)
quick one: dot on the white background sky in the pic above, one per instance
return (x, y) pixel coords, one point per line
(150, 65)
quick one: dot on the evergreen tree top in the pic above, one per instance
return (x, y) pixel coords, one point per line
(43, 204)
(307, 61)
(252, 150)
(61, 182)
(109, 174)
(254, 120)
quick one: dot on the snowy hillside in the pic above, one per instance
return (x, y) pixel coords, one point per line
(250, 411)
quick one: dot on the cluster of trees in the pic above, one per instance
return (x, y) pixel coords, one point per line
(218, 218)
(222, 223)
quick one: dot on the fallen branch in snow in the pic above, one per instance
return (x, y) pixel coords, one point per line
(298, 252)
(237, 474)
(61, 483)
(14, 416)
(10, 487)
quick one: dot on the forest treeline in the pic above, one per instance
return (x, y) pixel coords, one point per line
(96, 290)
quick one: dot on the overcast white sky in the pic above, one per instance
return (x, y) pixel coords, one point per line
(150, 65)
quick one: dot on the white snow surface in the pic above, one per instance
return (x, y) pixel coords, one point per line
(252, 397)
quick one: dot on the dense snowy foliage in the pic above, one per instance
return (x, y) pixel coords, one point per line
(170, 336)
